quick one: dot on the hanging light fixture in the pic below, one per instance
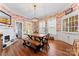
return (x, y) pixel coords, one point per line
(34, 18)
(35, 10)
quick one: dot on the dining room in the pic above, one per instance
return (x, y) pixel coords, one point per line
(39, 29)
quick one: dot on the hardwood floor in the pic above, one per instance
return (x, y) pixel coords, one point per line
(57, 48)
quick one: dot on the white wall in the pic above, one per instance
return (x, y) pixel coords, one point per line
(68, 37)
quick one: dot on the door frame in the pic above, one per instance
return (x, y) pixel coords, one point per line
(22, 27)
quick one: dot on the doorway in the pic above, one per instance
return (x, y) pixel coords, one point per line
(19, 30)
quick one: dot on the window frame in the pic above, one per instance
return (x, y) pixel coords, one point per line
(69, 23)
(51, 26)
(68, 16)
(42, 27)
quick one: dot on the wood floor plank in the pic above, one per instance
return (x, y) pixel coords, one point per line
(57, 48)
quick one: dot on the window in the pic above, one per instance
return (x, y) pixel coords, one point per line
(29, 28)
(52, 26)
(65, 26)
(42, 27)
(71, 24)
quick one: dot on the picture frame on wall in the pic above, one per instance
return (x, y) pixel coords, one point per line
(5, 18)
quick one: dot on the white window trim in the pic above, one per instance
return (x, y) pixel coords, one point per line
(68, 16)
(42, 27)
(52, 26)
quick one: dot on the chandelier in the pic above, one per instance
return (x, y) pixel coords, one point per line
(34, 14)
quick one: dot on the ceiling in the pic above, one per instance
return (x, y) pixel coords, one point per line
(42, 9)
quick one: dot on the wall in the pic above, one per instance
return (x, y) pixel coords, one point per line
(6, 30)
(11, 29)
(60, 35)
(66, 36)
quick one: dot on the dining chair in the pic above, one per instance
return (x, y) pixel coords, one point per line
(76, 47)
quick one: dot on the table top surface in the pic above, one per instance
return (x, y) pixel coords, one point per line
(38, 35)
(34, 42)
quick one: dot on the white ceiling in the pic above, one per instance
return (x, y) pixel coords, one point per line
(42, 9)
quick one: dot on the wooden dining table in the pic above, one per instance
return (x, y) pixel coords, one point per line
(34, 42)
(40, 36)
